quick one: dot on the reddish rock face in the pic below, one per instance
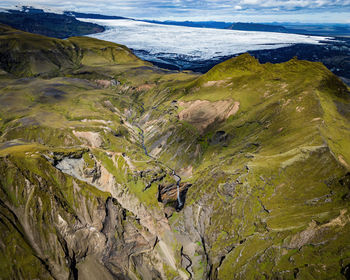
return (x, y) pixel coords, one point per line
(103, 83)
(202, 113)
(168, 194)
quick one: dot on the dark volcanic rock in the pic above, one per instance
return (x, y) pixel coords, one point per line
(48, 24)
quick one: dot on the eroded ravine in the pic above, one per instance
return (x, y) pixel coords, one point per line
(154, 221)
(176, 177)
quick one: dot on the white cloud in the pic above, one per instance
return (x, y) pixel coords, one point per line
(203, 9)
(250, 2)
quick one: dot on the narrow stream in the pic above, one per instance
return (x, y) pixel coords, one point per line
(142, 135)
(176, 177)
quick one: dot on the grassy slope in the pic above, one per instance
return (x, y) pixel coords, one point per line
(64, 98)
(33, 193)
(282, 168)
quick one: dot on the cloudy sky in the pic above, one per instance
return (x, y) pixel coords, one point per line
(313, 11)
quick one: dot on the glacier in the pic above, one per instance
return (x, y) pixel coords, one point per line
(180, 45)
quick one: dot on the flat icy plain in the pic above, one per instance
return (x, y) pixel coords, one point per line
(158, 42)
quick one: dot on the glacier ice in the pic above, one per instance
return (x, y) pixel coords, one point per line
(156, 42)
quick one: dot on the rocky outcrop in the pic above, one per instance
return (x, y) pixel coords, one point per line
(87, 233)
(168, 194)
(155, 224)
(202, 113)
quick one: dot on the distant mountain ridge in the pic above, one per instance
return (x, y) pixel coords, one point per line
(258, 27)
(338, 30)
(38, 21)
(91, 15)
(199, 24)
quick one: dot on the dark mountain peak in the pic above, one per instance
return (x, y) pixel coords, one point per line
(91, 15)
(38, 21)
(250, 26)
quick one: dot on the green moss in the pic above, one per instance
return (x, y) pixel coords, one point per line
(35, 191)
(282, 167)
(125, 177)
(169, 272)
(88, 160)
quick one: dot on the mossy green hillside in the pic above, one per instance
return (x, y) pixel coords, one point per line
(277, 172)
(33, 195)
(30, 55)
(270, 184)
